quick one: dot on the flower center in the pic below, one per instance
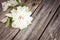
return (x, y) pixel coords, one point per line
(21, 17)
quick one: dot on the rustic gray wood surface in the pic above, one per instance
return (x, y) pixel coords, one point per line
(53, 28)
(45, 25)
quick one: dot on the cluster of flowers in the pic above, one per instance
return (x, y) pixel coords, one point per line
(19, 17)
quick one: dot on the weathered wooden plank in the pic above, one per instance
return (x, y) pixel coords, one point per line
(39, 29)
(38, 8)
(53, 30)
(34, 30)
(0, 7)
(7, 33)
(2, 1)
(52, 27)
(58, 33)
(33, 5)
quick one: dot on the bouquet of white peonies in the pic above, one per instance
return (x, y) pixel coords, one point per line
(19, 15)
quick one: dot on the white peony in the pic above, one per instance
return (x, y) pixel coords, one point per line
(6, 4)
(21, 17)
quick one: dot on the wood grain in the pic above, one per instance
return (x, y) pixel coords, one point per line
(53, 27)
(45, 25)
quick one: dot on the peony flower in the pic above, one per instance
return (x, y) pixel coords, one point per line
(21, 17)
(5, 5)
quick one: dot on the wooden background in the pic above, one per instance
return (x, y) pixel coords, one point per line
(45, 25)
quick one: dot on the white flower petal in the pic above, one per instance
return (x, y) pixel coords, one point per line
(13, 2)
(5, 5)
(9, 15)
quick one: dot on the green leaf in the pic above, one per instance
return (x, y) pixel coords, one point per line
(11, 19)
(18, 1)
(30, 8)
(21, 4)
(8, 22)
(12, 7)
